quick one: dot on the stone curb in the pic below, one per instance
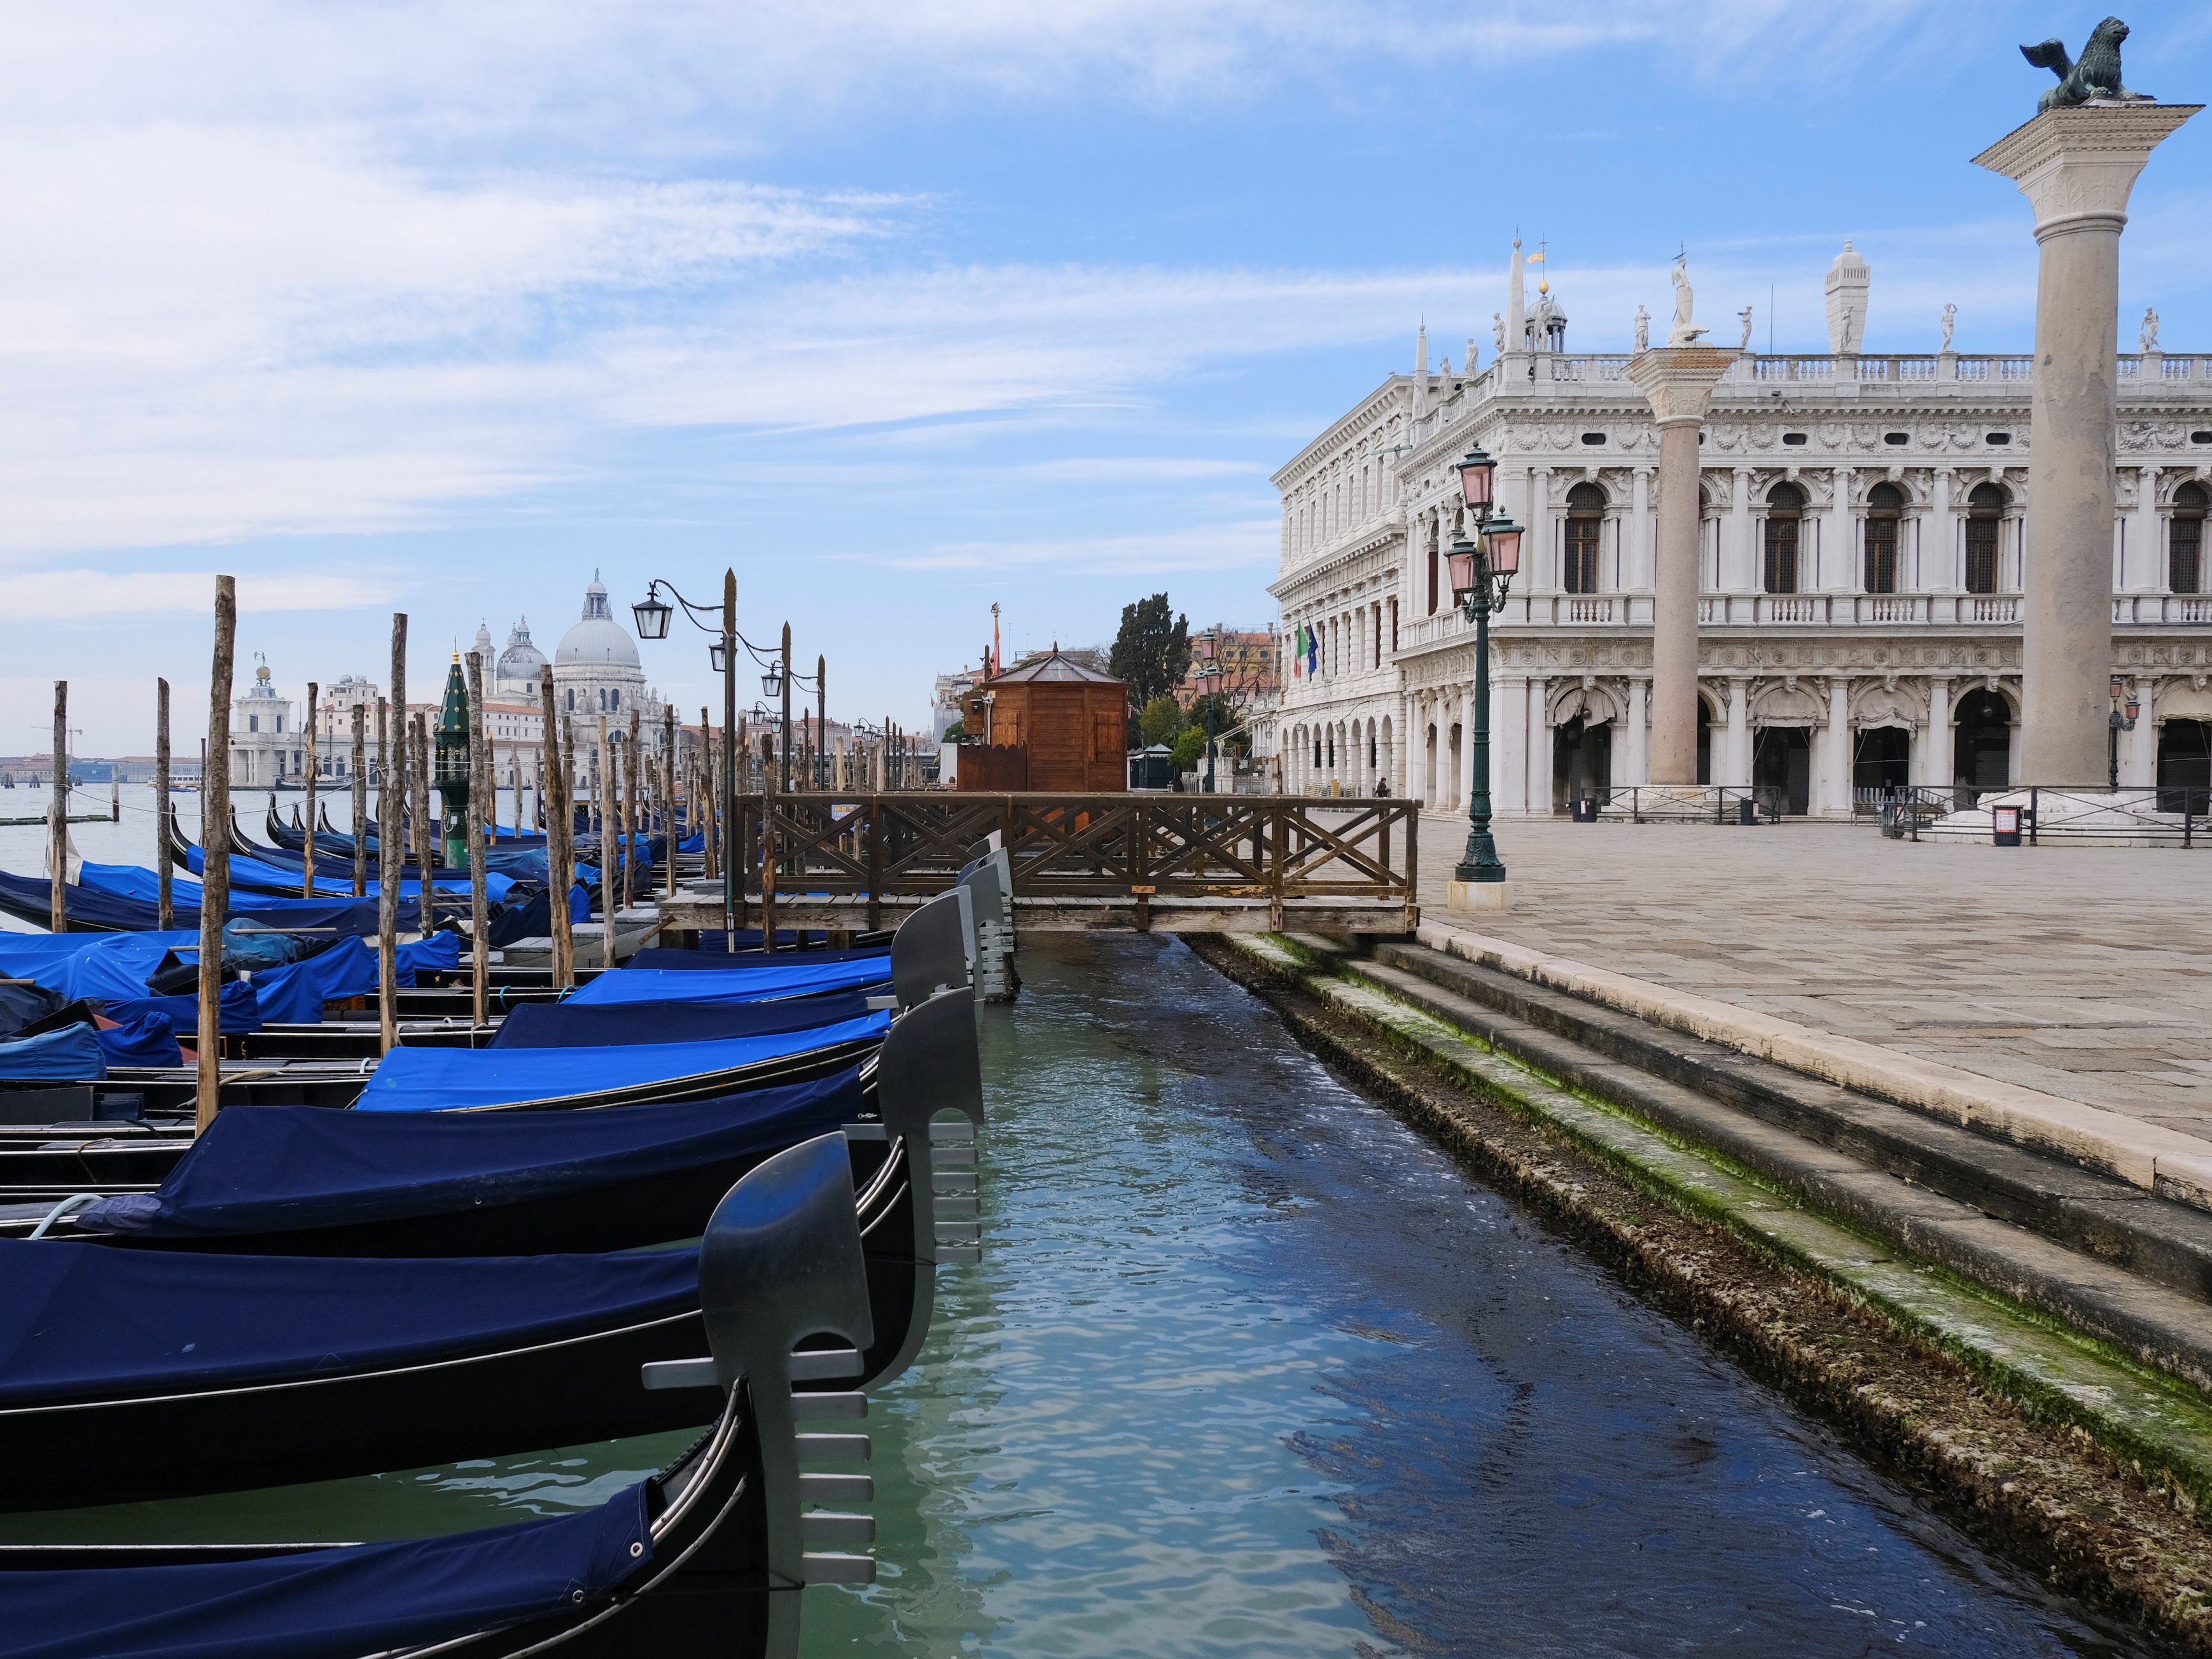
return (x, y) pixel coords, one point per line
(2163, 1161)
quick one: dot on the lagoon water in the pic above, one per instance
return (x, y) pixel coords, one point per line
(1249, 1368)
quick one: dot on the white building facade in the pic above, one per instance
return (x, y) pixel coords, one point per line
(1859, 573)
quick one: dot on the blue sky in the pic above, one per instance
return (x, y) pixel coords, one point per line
(901, 308)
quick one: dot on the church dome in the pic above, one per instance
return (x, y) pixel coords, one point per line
(521, 659)
(598, 641)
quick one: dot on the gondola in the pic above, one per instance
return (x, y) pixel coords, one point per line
(141, 1374)
(708, 1556)
(51, 1160)
(91, 910)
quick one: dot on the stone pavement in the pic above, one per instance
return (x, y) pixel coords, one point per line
(2084, 973)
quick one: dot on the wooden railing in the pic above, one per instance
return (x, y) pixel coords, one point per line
(1271, 848)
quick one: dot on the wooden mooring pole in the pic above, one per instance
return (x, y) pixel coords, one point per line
(559, 839)
(58, 817)
(391, 798)
(165, 911)
(307, 877)
(360, 800)
(608, 852)
(215, 869)
(668, 787)
(480, 777)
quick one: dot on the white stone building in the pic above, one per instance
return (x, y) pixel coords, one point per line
(268, 750)
(1858, 623)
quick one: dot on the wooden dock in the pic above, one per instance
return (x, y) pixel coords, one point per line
(1150, 863)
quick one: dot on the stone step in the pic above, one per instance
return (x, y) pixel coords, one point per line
(2096, 1251)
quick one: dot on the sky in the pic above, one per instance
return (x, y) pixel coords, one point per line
(899, 309)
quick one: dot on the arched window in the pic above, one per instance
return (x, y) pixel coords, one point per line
(1433, 539)
(1985, 508)
(572, 700)
(613, 699)
(1785, 509)
(2184, 540)
(1585, 519)
(1884, 507)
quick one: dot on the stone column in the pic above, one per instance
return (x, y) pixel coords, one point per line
(1508, 744)
(1941, 552)
(1935, 759)
(1739, 566)
(2143, 560)
(1540, 559)
(1731, 753)
(1536, 754)
(1637, 579)
(2076, 167)
(1839, 769)
(1639, 758)
(1841, 564)
(1678, 380)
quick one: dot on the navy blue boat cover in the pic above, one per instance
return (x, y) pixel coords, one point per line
(148, 1039)
(335, 1603)
(81, 1322)
(763, 978)
(282, 1168)
(105, 912)
(442, 1079)
(581, 1025)
(71, 1055)
(239, 1004)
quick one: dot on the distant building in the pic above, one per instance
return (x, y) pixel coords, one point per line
(1243, 665)
(947, 697)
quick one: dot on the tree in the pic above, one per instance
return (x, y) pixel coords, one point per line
(1151, 651)
(1189, 750)
(1161, 722)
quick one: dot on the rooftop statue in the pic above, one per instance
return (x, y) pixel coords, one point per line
(1685, 331)
(2095, 74)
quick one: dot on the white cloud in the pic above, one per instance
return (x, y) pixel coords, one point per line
(70, 595)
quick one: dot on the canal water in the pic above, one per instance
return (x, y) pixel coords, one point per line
(1249, 1368)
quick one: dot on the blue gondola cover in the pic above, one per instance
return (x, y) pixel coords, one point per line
(71, 1053)
(797, 976)
(78, 1322)
(283, 1168)
(574, 1025)
(148, 1039)
(95, 965)
(663, 958)
(349, 1599)
(439, 1080)
(240, 1008)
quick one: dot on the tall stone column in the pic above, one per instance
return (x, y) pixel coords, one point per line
(1739, 567)
(2139, 748)
(1638, 577)
(2143, 560)
(1679, 381)
(2076, 167)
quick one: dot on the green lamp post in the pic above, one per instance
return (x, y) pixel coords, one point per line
(450, 775)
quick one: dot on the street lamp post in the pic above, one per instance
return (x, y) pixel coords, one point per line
(1481, 571)
(652, 615)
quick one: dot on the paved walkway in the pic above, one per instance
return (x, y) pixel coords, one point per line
(2083, 973)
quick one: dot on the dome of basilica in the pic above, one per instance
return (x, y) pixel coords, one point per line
(596, 640)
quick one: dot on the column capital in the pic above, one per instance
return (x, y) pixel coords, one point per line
(1679, 380)
(2077, 166)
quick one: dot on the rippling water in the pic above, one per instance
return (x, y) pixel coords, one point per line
(1251, 1369)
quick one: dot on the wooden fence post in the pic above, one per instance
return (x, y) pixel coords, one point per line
(559, 839)
(607, 833)
(214, 871)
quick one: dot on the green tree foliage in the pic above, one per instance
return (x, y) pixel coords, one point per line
(1152, 650)
(1189, 750)
(1161, 722)
(1217, 713)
